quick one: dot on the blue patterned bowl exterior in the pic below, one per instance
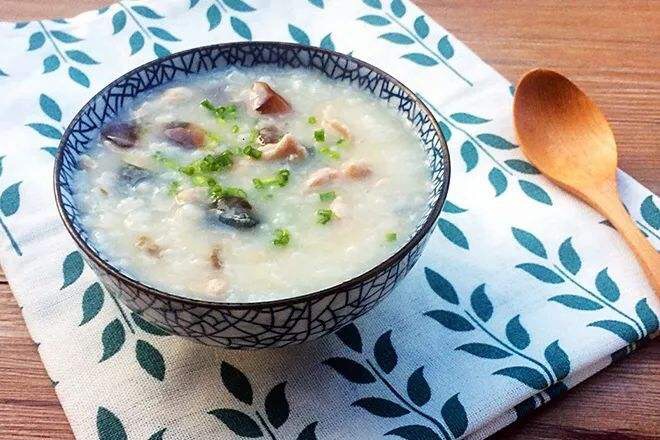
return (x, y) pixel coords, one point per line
(270, 323)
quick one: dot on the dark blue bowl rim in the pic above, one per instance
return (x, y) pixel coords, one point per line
(306, 297)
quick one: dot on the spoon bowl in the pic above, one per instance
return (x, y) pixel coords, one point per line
(566, 136)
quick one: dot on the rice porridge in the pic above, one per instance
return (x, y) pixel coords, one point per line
(251, 185)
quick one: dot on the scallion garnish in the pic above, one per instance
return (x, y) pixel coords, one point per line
(211, 140)
(173, 188)
(165, 161)
(329, 152)
(251, 151)
(282, 237)
(323, 216)
(319, 135)
(235, 129)
(327, 196)
(311, 120)
(390, 236)
(281, 178)
(221, 113)
(341, 141)
(216, 192)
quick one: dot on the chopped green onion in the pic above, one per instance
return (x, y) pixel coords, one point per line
(210, 163)
(254, 133)
(165, 161)
(211, 140)
(327, 151)
(173, 188)
(323, 216)
(341, 141)
(319, 135)
(254, 153)
(328, 196)
(281, 178)
(235, 129)
(390, 236)
(311, 120)
(282, 237)
(217, 192)
(232, 191)
(221, 113)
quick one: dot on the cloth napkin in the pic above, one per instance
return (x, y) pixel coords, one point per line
(522, 292)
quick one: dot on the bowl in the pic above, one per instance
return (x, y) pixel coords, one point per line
(264, 324)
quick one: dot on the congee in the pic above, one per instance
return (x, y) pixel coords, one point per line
(252, 185)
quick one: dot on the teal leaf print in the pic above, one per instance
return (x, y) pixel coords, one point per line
(485, 351)
(1, 167)
(469, 155)
(541, 273)
(147, 326)
(2, 73)
(446, 131)
(453, 233)
(326, 43)
(161, 51)
(526, 375)
(193, 3)
(136, 41)
(454, 415)
(496, 141)
(10, 200)
(558, 360)
(418, 388)
(450, 320)
(516, 333)
(421, 28)
(309, 433)
(241, 28)
(51, 63)
(498, 180)
(529, 242)
(46, 130)
(239, 423)
(445, 48)
(59, 20)
(420, 58)
(350, 336)
(576, 302)
(397, 38)
(78, 76)
(50, 107)
(381, 407)
(512, 89)
(146, 12)
(50, 150)
(80, 57)
(398, 8)
(108, 425)
(158, 435)
(298, 35)
(522, 166)
(64, 37)
(92, 302)
(150, 359)
(481, 304)
(317, 3)
(647, 316)
(650, 212)
(350, 370)
(452, 208)
(162, 34)
(238, 5)
(621, 329)
(36, 41)
(213, 16)
(236, 382)
(72, 268)
(118, 22)
(375, 20)
(373, 3)
(384, 352)
(468, 118)
(441, 286)
(414, 432)
(21, 24)
(606, 286)
(569, 258)
(535, 192)
(277, 407)
(112, 338)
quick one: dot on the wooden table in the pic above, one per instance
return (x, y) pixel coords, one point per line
(611, 48)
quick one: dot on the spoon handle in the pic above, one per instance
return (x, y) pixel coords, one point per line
(606, 200)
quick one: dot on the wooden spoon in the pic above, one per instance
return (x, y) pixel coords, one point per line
(569, 140)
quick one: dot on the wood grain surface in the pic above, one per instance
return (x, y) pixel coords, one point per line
(611, 48)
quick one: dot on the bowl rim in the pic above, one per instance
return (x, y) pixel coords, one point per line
(305, 297)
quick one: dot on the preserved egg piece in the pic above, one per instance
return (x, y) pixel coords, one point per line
(185, 134)
(267, 101)
(235, 211)
(269, 134)
(121, 134)
(132, 175)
